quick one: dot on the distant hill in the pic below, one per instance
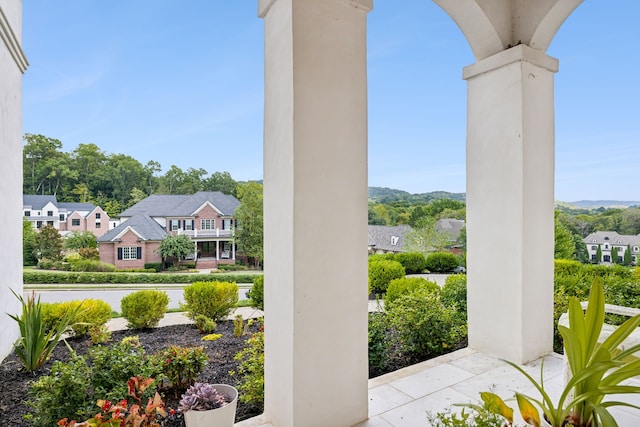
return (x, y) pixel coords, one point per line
(595, 204)
(390, 195)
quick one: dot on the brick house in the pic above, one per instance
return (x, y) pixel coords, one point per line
(65, 217)
(206, 217)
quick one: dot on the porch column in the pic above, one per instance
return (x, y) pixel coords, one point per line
(233, 250)
(217, 250)
(12, 65)
(510, 171)
(315, 168)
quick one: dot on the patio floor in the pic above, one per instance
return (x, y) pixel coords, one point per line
(403, 398)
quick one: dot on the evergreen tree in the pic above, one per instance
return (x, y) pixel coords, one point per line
(28, 244)
(599, 255)
(49, 244)
(626, 258)
(614, 255)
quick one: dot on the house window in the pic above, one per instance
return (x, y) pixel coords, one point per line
(75, 222)
(50, 223)
(27, 213)
(593, 257)
(207, 224)
(130, 252)
(38, 224)
(606, 258)
(97, 215)
(61, 217)
(49, 213)
(226, 224)
(174, 224)
(606, 238)
(619, 260)
(188, 224)
(635, 249)
(606, 246)
(98, 225)
(594, 248)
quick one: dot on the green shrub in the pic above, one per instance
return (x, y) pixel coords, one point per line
(379, 343)
(215, 300)
(204, 324)
(62, 394)
(182, 365)
(381, 257)
(383, 272)
(99, 334)
(113, 365)
(89, 253)
(400, 287)
(91, 265)
(157, 266)
(47, 277)
(425, 326)
(454, 293)
(144, 309)
(92, 312)
(413, 262)
(442, 262)
(256, 293)
(232, 267)
(251, 371)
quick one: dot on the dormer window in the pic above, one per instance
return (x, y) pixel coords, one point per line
(619, 241)
(394, 240)
(594, 241)
(606, 238)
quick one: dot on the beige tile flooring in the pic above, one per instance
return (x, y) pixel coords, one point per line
(403, 398)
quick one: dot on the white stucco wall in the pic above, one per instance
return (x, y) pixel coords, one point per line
(12, 64)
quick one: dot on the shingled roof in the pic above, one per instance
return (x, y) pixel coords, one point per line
(175, 205)
(382, 237)
(145, 226)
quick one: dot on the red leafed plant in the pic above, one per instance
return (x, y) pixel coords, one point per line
(123, 415)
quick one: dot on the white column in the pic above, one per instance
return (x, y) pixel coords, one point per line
(12, 64)
(315, 161)
(510, 235)
(217, 250)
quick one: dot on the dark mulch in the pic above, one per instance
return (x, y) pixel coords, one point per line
(14, 381)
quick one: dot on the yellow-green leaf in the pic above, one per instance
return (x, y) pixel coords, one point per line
(528, 412)
(496, 405)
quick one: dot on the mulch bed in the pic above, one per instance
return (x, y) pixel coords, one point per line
(14, 381)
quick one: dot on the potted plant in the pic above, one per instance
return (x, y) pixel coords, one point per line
(597, 371)
(209, 405)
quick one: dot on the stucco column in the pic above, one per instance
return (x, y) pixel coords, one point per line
(510, 179)
(12, 64)
(315, 212)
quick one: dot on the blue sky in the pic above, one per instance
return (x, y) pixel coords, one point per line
(182, 83)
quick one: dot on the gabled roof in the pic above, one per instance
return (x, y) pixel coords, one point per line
(142, 225)
(37, 201)
(611, 237)
(181, 205)
(76, 206)
(450, 225)
(388, 238)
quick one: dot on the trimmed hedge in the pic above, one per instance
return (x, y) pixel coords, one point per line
(157, 266)
(93, 312)
(39, 277)
(442, 262)
(400, 287)
(383, 272)
(256, 293)
(144, 309)
(413, 262)
(215, 300)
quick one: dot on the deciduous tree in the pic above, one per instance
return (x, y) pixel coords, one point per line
(176, 246)
(250, 222)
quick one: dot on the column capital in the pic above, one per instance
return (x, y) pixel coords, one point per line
(520, 53)
(265, 5)
(12, 43)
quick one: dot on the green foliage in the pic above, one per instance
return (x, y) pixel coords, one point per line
(425, 326)
(91, 265)
(99, 334)
(599, 254)
(182, 365)
(35, 344)
(144, 309)
(232, 267)
(88, 313)
(28, 244)
(80, 239)
(454, 294)
(112, 366)
(627, 259)
(383, 272)
(381, 257)
(175, 247)
(215, 300)
(47, 277)
(238, 323)
(425, 238)
(251, 371)
(49, 243)
(73, 387)
(250, 223)
(62, 394)
(157, 266)
(379, 343)
(564, 245)
(442, 262)
(211, 337)
(204, 324)
(256, 293)
(89, 253)
(399, 287)
(614, 255)
(413, 262)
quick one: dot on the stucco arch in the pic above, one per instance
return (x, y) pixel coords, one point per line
(491, 26)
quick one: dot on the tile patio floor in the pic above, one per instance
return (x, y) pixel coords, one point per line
(402, 398)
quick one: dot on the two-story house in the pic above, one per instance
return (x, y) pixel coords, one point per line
(42, 210)
(608, 240)
(206, 217)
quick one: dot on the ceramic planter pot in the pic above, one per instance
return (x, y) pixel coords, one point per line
(219, 417)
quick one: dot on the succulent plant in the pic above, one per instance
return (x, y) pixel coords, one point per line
(202, 397)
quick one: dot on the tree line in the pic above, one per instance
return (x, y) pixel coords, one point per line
(112, 181)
